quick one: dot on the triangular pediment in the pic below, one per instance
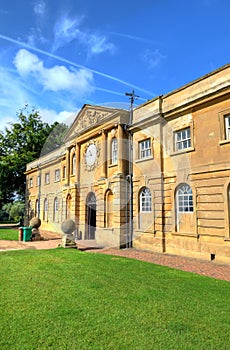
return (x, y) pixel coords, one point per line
(88, 118)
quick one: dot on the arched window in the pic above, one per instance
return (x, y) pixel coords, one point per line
(55, 215)
(45, 211)
(73, 165)
(68, 207)
(37, 207)
(228, 202)
(30, 211)
(184, 199)
(114, 151)
(108, 209)
(145, 200)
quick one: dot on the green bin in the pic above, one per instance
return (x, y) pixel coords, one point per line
(27, 234)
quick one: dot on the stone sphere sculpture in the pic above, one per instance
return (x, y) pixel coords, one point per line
(35, 222)
(68, 227)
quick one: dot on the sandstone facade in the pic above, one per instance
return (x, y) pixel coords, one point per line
(158, 181)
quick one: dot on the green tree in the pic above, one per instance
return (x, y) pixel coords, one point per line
(15, 210)
(20, 144)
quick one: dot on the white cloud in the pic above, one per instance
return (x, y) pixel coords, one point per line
(5, 122)
(152, 57)
(27, 62)
(35, 36)
(68, 29)
(13, 96)
(40, 7)
(98, 44)
(56, 78)
(50, 116)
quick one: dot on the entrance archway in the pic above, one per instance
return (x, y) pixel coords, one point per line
(90, 225)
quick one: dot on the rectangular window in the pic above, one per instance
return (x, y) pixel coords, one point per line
(182, 139)
(57, 175)
(47, 178)
(31, 182)
(114, 151)
(64, 172)
(56, 205)
(145, 149)
(38, 180)
(227, 127)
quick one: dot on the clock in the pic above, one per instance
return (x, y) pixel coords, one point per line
(91, 154)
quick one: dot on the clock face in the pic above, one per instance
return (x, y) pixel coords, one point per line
(91, 154)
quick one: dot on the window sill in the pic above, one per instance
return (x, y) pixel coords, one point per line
(139, 230)
(111, 229)
(112, 165)
(224, 142)
(185, 234)
(187, 150)
(143, 159)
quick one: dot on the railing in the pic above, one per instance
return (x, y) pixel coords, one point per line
(10, 225)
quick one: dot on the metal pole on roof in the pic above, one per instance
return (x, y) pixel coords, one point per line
(129, 234)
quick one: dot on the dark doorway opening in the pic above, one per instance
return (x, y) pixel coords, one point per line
(90, 216)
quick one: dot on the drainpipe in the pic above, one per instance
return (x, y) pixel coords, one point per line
(129, 177)
(162, 122)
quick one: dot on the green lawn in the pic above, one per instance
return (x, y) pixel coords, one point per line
(9, 234)
(66, 299)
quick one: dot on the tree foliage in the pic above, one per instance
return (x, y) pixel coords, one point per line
(15, 211)
(20, 144)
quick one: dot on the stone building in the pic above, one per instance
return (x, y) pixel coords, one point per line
(158, 181)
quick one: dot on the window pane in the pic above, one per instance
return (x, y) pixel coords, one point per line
(227, 127)
(144, 149)
(114, 147)
(184, 199)
(182, 139)
(145, 200)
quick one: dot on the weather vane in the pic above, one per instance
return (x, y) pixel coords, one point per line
(132, 97)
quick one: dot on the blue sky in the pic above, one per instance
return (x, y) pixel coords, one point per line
(57, 55)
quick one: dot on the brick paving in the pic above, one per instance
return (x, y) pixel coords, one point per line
(201, 267)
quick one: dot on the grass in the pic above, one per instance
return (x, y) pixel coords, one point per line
(66, 299)
(9, 234)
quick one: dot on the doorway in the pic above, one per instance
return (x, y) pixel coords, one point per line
(90, 227)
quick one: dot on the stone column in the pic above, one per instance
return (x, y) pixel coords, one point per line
(121, 150)
(78, 165)
(67, 165)
(104, 154)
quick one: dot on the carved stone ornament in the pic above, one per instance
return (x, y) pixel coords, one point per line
(90, 118)
(91, 154)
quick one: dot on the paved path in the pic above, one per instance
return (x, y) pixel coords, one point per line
(201, 267)
(51, 240)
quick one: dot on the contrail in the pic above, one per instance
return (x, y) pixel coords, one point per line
(116, 93)
(59, 58)
(132, 37)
